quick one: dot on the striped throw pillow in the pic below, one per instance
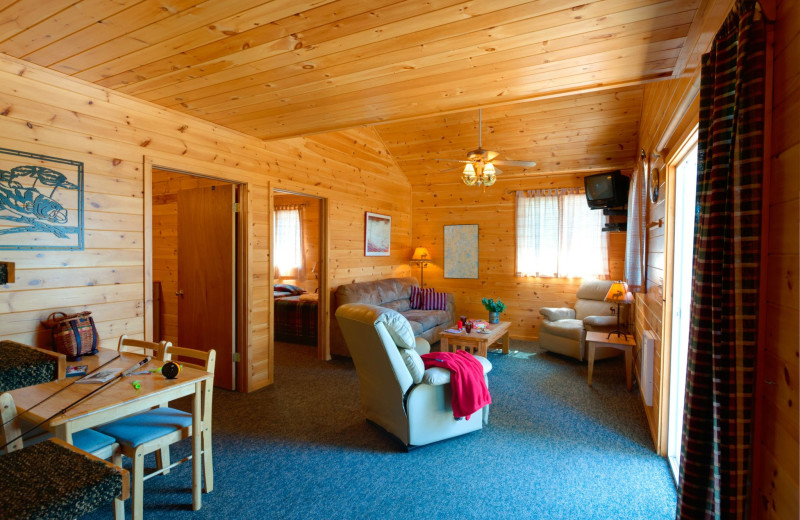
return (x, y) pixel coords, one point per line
(415, 300)
(434, 301)
(418, 296)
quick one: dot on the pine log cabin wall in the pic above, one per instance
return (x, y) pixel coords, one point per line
(664, 111)
(440, 198)
(48, 113)
(494, 212)
(777, 475)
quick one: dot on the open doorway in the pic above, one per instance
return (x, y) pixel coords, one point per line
(195, 230)
(682, 192)
(298, 262)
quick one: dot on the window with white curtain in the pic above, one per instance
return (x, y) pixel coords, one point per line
(287, 223)
(559, 236)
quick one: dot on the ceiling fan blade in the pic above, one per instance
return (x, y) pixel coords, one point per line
(456, 168)
(452, 160)
(524, 164)
(491, 155)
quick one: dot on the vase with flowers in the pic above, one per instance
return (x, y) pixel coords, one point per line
(494, 308)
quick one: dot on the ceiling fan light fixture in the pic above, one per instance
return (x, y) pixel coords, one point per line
(469, 176)
(479, 170)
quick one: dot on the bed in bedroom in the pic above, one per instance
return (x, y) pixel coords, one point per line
(295, 315)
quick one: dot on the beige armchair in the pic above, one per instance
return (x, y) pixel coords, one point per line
(563, 330)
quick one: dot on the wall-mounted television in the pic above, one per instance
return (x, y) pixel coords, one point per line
(606, 190)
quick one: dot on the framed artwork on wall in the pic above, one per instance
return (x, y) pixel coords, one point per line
(377, 234)
(41, 202)
(461, 251)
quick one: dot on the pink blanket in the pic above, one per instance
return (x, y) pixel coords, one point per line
(470, 392)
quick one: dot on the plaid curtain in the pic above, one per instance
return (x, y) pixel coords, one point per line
(716, 449)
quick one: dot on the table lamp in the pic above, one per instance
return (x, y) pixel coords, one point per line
(421, 257)
(618, 293)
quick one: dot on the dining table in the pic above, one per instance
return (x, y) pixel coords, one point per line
(51, 404)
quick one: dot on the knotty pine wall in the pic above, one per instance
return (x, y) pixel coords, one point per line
(777, 488)
(664, 113)
(439, 205)
(45, 112)
(310, 223)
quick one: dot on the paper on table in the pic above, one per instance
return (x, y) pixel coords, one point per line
(101, 376)
(454, 331)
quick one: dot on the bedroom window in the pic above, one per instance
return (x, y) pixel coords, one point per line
(287, 223)
(558, 235)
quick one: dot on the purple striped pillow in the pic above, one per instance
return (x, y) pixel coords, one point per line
(434, 301)
(415, 298)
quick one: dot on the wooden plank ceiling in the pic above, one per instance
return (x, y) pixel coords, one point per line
(560, 79)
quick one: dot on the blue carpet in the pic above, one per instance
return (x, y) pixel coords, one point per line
(554, 449)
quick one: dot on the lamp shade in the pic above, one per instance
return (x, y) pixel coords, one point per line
(421, 254)
(618, 293)
(469, 176)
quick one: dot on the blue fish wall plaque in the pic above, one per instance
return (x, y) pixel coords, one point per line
(41, 202)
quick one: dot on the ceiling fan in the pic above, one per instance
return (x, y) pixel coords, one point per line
(481, 164)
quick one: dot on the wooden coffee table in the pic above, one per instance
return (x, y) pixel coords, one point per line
(477, 342)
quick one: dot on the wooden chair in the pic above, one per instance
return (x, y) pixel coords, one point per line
(148, 348)
(26, 473)
(156, 351)
(158, 428)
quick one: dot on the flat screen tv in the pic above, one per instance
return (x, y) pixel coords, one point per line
(606, 190)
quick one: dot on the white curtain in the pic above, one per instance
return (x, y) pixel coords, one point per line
(559, 236)
(635, 264)
(287, 223)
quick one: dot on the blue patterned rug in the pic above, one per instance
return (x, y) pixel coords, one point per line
(554, 449)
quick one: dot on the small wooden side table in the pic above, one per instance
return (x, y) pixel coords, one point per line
(601, 339)
(477, 342)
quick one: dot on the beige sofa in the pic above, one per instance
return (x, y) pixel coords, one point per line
(393, 293)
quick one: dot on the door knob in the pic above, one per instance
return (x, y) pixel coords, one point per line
(179, 292)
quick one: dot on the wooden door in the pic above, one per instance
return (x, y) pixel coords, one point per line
(206, 280)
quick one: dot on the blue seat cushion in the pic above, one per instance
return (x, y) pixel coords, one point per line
(91, 441)
(144, 427)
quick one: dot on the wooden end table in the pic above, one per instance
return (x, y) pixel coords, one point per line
(477, 342)
(601, 339)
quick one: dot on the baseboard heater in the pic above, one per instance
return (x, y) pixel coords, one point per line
(646, 366)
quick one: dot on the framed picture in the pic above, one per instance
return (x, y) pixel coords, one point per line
(41, 202)
(461, 251)
(377, 234)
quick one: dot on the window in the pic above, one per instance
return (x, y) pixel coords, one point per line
(287, 224)
(559, 236)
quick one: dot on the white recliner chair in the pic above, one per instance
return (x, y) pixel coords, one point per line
(397, 393)
(563, 330)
